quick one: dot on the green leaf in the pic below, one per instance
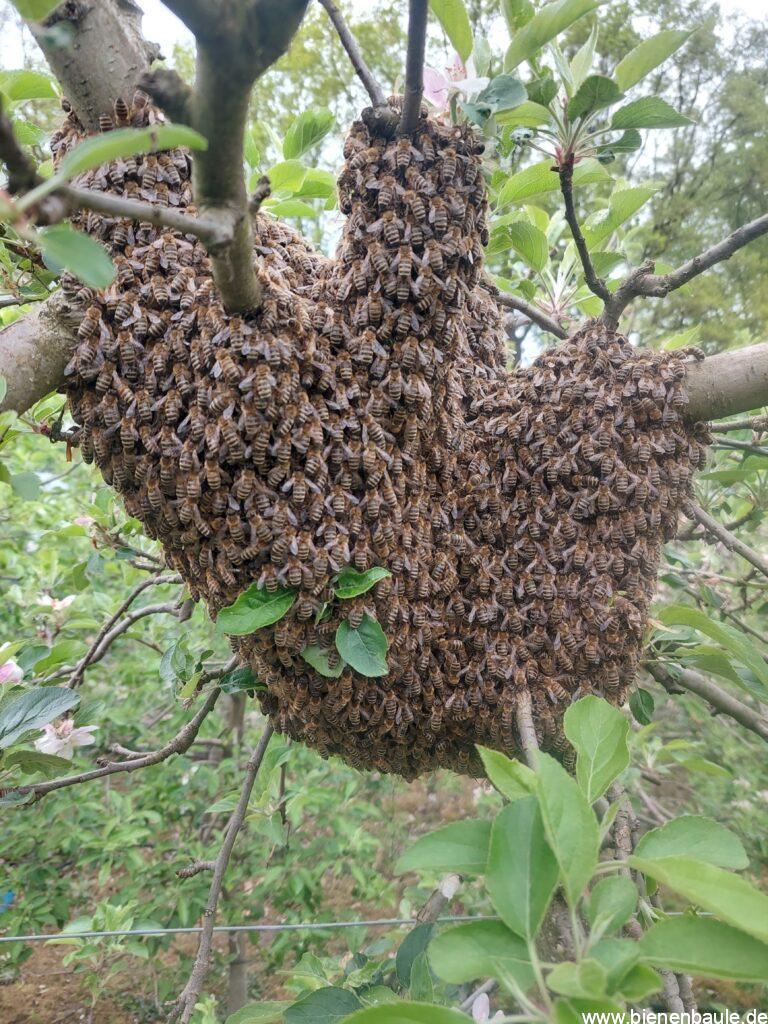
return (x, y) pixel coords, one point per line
(3, 388)
(513, 779)
(706, 947)
(30, 762)
(26, 485)
(552, 19)
(570, 824)
(238, 680)
(364, 649)
(306, 131)
(415, 943)
(596, 92)
(521, 875)
(27, 85)
(727, 896)
(599, 733)
(461, 847)
(585, 980)
(323, 1006)
(638, 983)
(255, 608)
(101, 149)
(581, 64)
(641, 704)
(649, 112)
(291, 208)
(28, 134)
(452, 15)
(33, 709)
(481, 949)
(617, 956)
(317, 184)
(287, 176)
(648, 55)
(623, 204)
(529, 243)
(517, 13)
(504, 92)
(682, 338)
(611, 904)
(628, 142)
(540, 179)
(694, 836)
(64, 248)
(405, 1013)
(317, 657)
(35, 10)
(351, 583)
(734, 641)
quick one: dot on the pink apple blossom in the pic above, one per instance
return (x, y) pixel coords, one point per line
(61, 737)
(439, 86)
(481, 1010)
(54, 603)
(10, 672)
(83, 520)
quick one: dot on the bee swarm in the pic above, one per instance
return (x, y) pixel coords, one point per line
(364, 416)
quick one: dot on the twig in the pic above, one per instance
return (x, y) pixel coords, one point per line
(185, 1005)
(195, 868)
(595, 284)
(90, 654)
(533, 313)
(439, 899)
(484, 989)
(758, 423)
(690, 531)
(529, 744)
(645, 282)
(180, 743)
(694, 512)
(356, 58)
(414, 65)
(722, 701)
(215, 231)
(259, 194)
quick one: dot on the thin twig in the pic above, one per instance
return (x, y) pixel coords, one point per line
(187, 1001)
(758, 423)
(414, 65)
(644, 282)
(721, 701)
(195, 868)
(529, 744)
(90, 654)
(180, 743)
(22, 173)
(711, 525)
(533, 313)
(595, 284)
(356, 58)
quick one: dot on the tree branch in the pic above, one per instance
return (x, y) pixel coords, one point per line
(236, 43)
(711, 525)
(22, 173)
(356, 58)
(414, 65)
(595, 284)
(728, 383)
(526, 730)
(179, 744)
(644, 282)
(533, 313)
(187, 1001)
(722, 702)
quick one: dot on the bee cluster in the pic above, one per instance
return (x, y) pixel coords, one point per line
(364, 417)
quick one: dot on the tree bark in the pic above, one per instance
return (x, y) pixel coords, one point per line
(34, 351)
(105, 57)
(728, 383)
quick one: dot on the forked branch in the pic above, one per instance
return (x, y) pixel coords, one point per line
(356, 58)
(643, 282)
(532, 313)
(414, 65)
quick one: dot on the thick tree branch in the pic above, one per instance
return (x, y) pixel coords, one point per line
(414, 65)
(179, 744)
(187, 1001)
(356, 58)
(104, 59)
(727, 384)
(236, 43)
(595, 284)
(643, 282)
(532, 313)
